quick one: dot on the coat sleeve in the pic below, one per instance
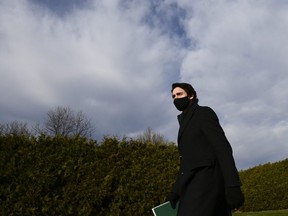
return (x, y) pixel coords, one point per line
(176, 185)
(213, 131)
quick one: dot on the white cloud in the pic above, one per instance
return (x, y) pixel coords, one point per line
(104, 60)
(239, 68)
(116, 60)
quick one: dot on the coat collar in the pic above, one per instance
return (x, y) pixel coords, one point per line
(185, 117)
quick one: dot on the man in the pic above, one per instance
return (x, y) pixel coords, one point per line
(208, 182)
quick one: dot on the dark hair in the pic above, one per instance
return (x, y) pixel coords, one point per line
(187, 88)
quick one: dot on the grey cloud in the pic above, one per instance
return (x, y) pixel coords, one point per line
(110, 62)
(239, 68)
(100, 61)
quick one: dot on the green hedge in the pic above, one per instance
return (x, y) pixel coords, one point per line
(59, 176)
(266, 187)
(75, 176)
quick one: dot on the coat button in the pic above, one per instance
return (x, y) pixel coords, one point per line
(182, 173)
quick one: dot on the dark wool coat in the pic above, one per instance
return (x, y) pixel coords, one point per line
(207, 166)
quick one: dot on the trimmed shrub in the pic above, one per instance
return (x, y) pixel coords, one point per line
(74, 176)
(266, 187)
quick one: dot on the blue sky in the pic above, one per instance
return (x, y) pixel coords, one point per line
(116, 60)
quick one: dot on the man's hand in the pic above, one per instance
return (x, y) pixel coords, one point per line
(234, 197)
(173, 199)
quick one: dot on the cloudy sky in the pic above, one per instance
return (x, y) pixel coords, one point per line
(115, 60)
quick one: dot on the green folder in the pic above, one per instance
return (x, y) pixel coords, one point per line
(165, 209)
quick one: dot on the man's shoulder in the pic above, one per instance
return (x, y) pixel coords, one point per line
(206, 112)
(204, 108)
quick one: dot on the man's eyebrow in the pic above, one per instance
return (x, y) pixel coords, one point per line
(178, 93)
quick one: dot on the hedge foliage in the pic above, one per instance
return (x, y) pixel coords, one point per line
(76, 176)
(61, 176)
(266, 187)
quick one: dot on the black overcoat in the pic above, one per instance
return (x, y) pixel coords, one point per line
(207, 165)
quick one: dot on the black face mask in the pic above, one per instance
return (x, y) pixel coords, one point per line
(181, 103)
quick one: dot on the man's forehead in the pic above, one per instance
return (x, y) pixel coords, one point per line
(178, 89)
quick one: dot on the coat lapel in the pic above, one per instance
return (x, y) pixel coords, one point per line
(186, 118)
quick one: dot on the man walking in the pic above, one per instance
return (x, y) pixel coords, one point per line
(208, 182)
